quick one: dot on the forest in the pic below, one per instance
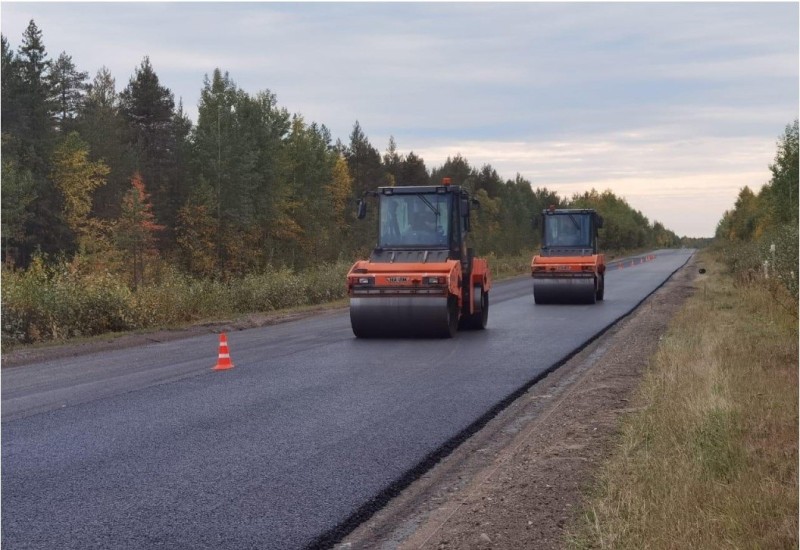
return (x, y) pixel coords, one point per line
(121, 189)
(127, 176)
(759, 235)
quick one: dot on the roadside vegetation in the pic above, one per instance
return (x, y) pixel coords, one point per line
(57, 302)
(710, 459)
(53, 302)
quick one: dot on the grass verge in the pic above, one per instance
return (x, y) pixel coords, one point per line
(710, 460)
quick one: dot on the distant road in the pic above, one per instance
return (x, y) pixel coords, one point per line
(311, 431)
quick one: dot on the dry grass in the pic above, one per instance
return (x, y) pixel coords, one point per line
(711, 460)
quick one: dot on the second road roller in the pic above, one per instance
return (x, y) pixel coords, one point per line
(421, 279)
(568, 270)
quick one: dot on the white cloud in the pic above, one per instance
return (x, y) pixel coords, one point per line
(686, 184)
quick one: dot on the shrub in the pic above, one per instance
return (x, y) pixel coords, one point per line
(60, 301)
(55, 303)
(770, 260)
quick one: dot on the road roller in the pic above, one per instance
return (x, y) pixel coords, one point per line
(568, 269)
(421, 280)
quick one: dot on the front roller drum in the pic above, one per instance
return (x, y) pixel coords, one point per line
(564, 290)
(391, 316)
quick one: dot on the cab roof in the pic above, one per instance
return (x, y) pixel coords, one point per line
(417, 189)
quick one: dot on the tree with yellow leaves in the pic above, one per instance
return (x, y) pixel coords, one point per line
(76, 178)
(340, 190)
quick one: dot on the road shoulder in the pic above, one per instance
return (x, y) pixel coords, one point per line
(25, 355)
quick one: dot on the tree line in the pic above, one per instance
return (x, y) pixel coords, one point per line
(759, 235)
(124, 181)
(775, 205)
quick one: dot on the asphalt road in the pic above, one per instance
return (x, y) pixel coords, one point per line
(307, 435)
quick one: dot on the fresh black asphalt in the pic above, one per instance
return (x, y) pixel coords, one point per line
(307, 435)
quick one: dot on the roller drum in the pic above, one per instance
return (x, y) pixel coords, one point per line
(388, 316)
(564, 290)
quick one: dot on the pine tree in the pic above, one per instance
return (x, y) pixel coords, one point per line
(35, 138)
(18, 192)
(782, 190)
(147, 107)
(69, 87)
(391, 162)
(364, 162)
(239, 150)
(36, 104)
(412, 171)
(18, 187)
(10, 102)
(519, 207)
(309, 163)
(488, 180)
(178, 191)
(102, 127)
(458, 170)
(212, 138)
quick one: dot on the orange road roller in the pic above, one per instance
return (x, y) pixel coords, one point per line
(421, 280)
(568, 269)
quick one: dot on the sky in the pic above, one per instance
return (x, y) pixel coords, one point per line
(673, 106)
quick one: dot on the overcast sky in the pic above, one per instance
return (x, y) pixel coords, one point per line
(673, 106)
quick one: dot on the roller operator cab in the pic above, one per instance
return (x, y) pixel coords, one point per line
(568, 269)
(421, 279)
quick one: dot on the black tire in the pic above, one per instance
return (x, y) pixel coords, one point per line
(452, 318)
(484, 312)
(601, 287)
(477, 321)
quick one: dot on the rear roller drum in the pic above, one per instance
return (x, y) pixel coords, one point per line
(392, 316)
(564, 290)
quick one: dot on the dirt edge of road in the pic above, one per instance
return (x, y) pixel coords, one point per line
(519, 481)
(32, 354)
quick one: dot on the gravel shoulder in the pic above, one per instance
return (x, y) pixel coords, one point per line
(519, 482)
(46, 352)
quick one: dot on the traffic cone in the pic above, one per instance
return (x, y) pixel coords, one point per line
(224, 359)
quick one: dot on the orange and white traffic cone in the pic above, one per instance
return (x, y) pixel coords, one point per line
(224, 359)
